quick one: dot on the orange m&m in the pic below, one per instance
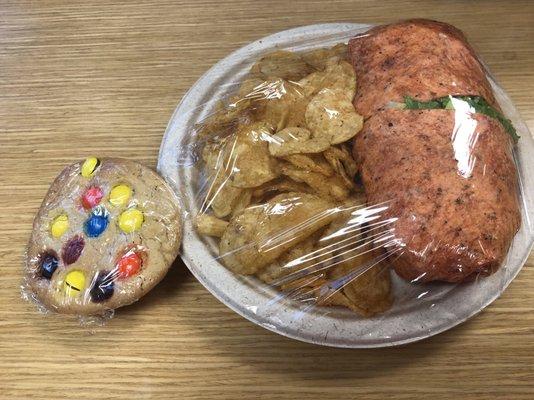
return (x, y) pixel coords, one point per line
(129, 264)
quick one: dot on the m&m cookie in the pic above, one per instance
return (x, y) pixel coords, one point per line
(106, 233)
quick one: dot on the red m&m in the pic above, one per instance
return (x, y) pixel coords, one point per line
(92, 197)
(129, 264)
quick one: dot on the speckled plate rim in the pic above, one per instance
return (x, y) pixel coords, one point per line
(253, 300)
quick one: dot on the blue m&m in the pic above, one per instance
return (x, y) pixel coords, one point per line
(103, 287)
(48, 264)
(97, 222)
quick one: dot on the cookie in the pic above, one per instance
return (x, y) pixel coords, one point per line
(106, 233)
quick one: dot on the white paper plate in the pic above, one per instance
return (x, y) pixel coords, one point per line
(419, 311)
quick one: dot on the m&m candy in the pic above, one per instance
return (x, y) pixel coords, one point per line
(131, 220)
(72, 249)
(89, 166)
(120, 195)
(59, 225)
(48, 264)
(92, 197)
(74, 283)
(103, 287)
(129, 264)
(97, 222)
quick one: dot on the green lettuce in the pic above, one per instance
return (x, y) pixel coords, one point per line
(479, 104)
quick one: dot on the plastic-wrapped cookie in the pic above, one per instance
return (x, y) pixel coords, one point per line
(106, 233)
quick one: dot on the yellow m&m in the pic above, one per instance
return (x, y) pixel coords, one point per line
(131, 220)
(120, 195)
(74, 283)
(59, 225)
(89, 166)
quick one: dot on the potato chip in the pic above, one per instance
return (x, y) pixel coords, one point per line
(280, 185)
(304, 289)
(242, 202)
(283, 104)
(371, 294)
(221, 196)
(252, 88)
(209, 225)
(327, 296)
(341, 50)
(338, 166)
(311, 146)
(257, 89)
(288, 135)
(247, 157)
(349, 183)
(212, 154)
(224, 120)
(281, 64)
(366, 281)
(341, 228)
(339, 75)
(342, 233)
(317, 289)
(311, 162)
(292, 261)
(260, 234)
(330, 114)
(313, 83)
(320, 58)
(335, 188)
(343, 152)
(295, 140)
(253, 96)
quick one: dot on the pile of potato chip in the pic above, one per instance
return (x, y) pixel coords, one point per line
(280, 189)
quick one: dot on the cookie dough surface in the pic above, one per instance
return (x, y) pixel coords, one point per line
(106, 233)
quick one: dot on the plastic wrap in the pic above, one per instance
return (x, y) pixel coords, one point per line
(345, 195)
(106, 233)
